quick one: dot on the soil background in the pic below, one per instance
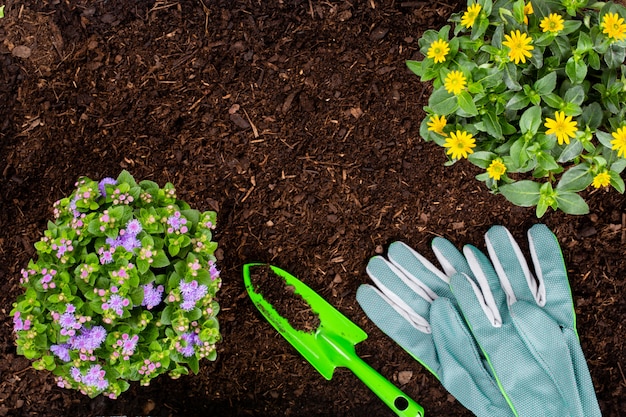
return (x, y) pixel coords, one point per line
(298, 122)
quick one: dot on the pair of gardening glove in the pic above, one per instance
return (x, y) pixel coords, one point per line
(501, 340)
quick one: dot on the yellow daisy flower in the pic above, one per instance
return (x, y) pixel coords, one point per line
(603, 179)
(469, 17)
(496, 169)
(436, 124)
(438, 50)
(460, 144)
(552, 23)
(613, 26)
(528, 9)
(619, 143)
(455, 82)
(563, 127)
(519, 46)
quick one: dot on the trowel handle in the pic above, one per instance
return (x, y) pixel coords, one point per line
(391, 395)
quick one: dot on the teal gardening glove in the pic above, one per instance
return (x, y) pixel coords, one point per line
(412, 303)
(538, 376)
(526, 325)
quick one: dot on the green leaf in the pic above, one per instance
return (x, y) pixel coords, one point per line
(592, 115)
(546, 84)
(415, 67)
(615, 55)
(481, 159)
(519, 101)
(575, 179)
(443, 103)
(511, 77)
(571, 203)
(546, 161)
(575, 94)
(466, 103)
(492, 124)
(617, 182)
(530, 120)
(523, 193)
(160, 260)
(571, 151)
(1, 11)
(553, 100)
(166, 315)
(604, 138)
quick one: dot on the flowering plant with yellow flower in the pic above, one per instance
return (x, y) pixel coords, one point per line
(532, 92)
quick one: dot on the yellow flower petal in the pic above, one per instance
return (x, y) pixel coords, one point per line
(455, 82)
(438, 50)
(460, 144)
(496, 169)
(519, 46)
(562, 127)
(469, 17)
(436, 124)
(603, 179)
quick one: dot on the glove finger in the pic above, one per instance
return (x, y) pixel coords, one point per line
(413, 300)
(451, 259)
(485, 287)
(547, 344)
(586, 390)
(390, 321)
(508, 260)
(465, 373)
(552, 275)
(419, 269)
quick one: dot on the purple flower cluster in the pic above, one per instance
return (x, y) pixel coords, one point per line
(19, 324)
(64, 245)
(191, 340)
(102, 185)
(46, 280)
(215, 273)
(177, 223)
(116, 303)
(127, 239)
(152, 296)
(127, 344)
(148, 367)
(89, 340)
(191, 292)
(94, 377)
(68, 321)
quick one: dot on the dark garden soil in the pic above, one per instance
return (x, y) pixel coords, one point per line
(298, 122)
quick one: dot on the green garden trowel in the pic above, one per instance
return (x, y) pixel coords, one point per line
(331, 345)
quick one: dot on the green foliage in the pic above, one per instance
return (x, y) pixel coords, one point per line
(122, 288)
(542, 95)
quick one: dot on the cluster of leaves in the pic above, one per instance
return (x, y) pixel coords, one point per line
(533, 92)
(122, 288)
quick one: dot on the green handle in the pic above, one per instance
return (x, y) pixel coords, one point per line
(396, 400)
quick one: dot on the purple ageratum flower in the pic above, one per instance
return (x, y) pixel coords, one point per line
(95, 377)
(215, 273)
(89, 339)
(106, 257)
(102, 185)
(191, 292)
(133, 227)
(152, 296)
(75, 374)
(19, 324)
(191, 339)
(116, 303)
(61, 351)
(177, 223)
(130, 243)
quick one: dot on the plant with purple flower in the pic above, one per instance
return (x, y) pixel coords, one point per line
(118, 291)
(152, 296)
